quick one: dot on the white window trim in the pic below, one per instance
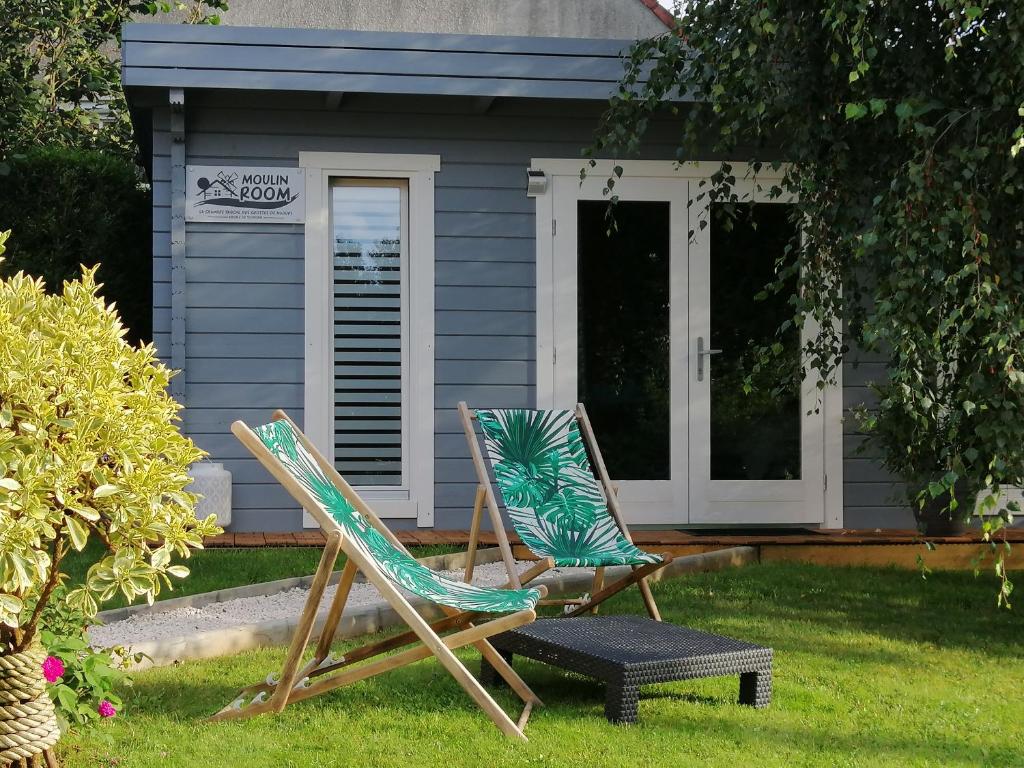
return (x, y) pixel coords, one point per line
(415, 499)
(832, 396)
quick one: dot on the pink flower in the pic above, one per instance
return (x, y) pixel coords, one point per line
(106, 709)
(53, 669)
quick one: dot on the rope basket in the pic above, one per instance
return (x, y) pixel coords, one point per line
(28, 725)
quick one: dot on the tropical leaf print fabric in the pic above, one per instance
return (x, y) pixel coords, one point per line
(280, 439)
(552, 497)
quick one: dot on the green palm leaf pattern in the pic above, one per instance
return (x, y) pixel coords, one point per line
(552, 497)
(281, 440)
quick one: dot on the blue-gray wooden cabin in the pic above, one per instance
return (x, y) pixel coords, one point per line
(468, 289)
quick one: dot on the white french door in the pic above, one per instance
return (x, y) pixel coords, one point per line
(756, 457)
(649, 317)
(619, 315)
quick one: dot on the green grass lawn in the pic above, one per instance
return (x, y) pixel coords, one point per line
(872, 668)
(214, 569)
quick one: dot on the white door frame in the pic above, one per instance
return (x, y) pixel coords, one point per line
(551, 313)
(415, 497)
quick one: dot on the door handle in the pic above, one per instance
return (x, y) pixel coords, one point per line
(701, 354)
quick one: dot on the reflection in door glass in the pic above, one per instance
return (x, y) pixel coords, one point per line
(623, 376)
(754, 436)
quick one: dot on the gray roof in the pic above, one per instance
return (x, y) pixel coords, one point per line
(260, 58)
(535, 18)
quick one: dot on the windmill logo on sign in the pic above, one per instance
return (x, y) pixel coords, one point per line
(224, 185)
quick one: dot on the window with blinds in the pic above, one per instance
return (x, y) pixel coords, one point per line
(369, 222)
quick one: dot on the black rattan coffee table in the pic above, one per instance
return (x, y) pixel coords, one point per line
(629, 651)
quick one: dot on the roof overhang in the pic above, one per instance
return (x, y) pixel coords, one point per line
(258, 58)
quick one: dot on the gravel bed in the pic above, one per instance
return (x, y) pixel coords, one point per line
(166, 625)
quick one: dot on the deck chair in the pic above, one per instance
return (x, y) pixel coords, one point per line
(563, 514)
(352, 527)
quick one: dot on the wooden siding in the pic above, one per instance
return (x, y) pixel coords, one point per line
(244, 323)
(164, 55)
(872, 498)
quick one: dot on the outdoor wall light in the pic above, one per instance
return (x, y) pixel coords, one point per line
(536, 182)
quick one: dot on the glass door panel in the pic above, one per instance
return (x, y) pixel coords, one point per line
(624, 333)
(755, 430)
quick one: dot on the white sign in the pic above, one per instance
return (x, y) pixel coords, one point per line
(235, 193)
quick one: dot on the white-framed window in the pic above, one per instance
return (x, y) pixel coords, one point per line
(369, 324)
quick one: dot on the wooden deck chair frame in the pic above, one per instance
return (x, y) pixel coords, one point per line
(323, 672)
(485, 497)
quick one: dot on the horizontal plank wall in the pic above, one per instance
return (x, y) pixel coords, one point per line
(245, 313)
(872, 498)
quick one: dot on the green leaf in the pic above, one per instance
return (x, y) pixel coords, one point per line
(105, 490)
(9, 484)
(66, 697)
(160, 558)
(88, 513)
(78, 531)
(855, 111)
(10, 609)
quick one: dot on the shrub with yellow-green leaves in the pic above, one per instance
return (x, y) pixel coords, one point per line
(89, 447)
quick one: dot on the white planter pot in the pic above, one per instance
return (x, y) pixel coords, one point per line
(1007, 494)
(213, 483)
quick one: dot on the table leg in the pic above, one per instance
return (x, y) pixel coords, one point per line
(489, 675)
(621, 702)
(756, 688)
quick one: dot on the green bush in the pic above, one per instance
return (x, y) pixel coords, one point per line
(89, 449)
(71, 207)
(87, 676)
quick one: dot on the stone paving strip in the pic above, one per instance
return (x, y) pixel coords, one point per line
(260, 615)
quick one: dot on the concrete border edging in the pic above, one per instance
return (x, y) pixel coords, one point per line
(378, 616)
(451, 562)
